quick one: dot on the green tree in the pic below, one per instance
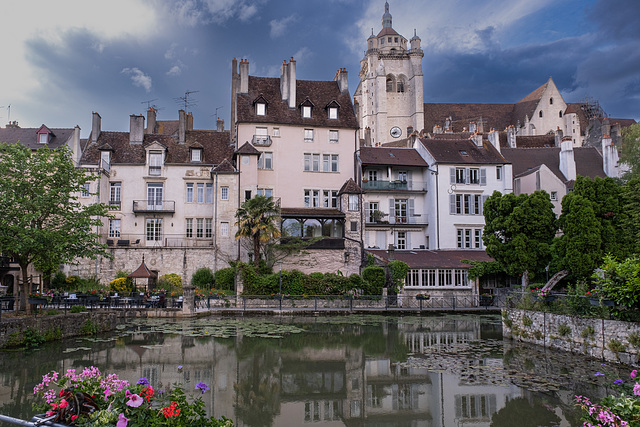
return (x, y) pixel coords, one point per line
(519, 231)
(579, 248)
(632, 208)
(41, 220)
(256, 220)
(630, 153)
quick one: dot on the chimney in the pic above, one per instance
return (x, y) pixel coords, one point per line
(292, 83)
(511, 136)
(437, 129)
(494, 139)
(606, 127)
(342, 79)
(244, 76)
(182, 126)
(96, 122)
(480, 125)
(76, 149)
(151, 120)
(391, 251)
(220, 125)
(567, 161)
(477, 139)
(136, 129)
(610, 158)
(189, 121)
(559, 134)
(284, 81)
(234, 90)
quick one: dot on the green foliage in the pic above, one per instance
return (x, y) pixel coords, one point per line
(53, 334)
(14, 340)
(564, 329)
(526, 321)
(256, 220)
(631, 224)
(398, 271)
(615, 346)
(634, 339)
(630, 153)
(89, 328)
(171, 282)
(122, 284)
(576, 302)
(32, 199)
(588, 332)
(52, 312)
(373, 279)
(78, 309)
(519, 231)
(32, 338)
(225, 278)
(483, 268)
(59, 280)
(371, 260)
(620, 281)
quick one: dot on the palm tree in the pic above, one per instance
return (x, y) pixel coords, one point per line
(257, 219)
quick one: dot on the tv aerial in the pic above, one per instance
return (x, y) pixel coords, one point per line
(188, 103)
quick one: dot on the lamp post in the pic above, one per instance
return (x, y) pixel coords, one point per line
(280, 278)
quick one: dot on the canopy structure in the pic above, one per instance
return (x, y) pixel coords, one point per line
(143, 272)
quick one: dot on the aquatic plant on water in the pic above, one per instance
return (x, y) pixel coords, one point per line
(90, 398)
(619, 410)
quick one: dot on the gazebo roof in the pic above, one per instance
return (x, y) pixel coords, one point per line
(142, 272)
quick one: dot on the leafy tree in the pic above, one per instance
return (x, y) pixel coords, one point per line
(41, 219)
(630, 153)
(256, 220)
(202, 278)
(579, 248)
(519, 231)
(632, 208)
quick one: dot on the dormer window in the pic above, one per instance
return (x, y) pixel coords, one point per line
(333, 113)
(306, 111)
(43, 138)
(44, 135)
(196, 154)
(155, 163)
(261, 109)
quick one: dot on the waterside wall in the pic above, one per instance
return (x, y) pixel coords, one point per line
(609, 340)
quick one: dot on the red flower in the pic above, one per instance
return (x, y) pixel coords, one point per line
(171, 410)
(63, 404)
(73, 417)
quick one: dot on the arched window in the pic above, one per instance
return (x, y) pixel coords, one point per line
(540, 113)
(560, 113)
(390, 84)
(551, 101)
(400, 85)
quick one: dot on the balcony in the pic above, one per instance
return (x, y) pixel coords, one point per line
(392, 186)
(401, 220)
(154, 206)
(261, 140)
(114, 205)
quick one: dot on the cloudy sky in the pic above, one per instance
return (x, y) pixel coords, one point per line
(63, 59)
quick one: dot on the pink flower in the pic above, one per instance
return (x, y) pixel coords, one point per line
(122, 421)
(134, 400)
(107, 393)
(633, 374)
(636, 389)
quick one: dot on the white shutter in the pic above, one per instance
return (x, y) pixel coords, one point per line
(452, 175)
(467, 176)
(408, 239)
(392, 211)
(411, 219)
(484, 199)
(483, 176)
(410, 180)
(367, 212)
(452, 204)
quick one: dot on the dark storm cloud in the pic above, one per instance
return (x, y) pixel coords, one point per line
(617, 19)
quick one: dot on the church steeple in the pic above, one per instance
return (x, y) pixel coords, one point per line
(386, 18)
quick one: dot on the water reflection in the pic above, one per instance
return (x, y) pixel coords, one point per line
(341, 371)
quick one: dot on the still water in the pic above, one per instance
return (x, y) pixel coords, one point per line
(435, 371)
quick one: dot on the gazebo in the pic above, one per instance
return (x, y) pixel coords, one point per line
(142, 272)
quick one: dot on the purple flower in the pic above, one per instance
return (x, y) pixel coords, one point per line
(633, 374)
(143, 381)
(202, 387)
(598, 374)
(122, 420)
(636, 389)
(179, 367)
(618, 381)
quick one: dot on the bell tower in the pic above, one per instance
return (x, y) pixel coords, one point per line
(389, 96)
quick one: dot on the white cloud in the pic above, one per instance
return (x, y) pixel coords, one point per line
(171, 52)
(278, 27)
(247, 12)
(138, 78)
(174, 71)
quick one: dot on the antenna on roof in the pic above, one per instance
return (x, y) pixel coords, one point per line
(148, 102)
(216, 114)
(185, 99)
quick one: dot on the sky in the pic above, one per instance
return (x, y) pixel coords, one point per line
(62, 60)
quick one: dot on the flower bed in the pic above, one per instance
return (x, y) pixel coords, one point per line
(616, 410)
(92, 399)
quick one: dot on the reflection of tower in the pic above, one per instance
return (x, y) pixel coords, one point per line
(389, 97)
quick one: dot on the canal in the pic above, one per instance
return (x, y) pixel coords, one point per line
(418, 371)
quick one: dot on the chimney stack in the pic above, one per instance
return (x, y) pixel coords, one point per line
(182, 126)
(220, 125)
(151, 120)
(494, 139)
(96, 123)
(610, 158)
(244, 76)
(559, 136)
(480, 125)
(292, 83)
(136, 129)
(567, 160)
(343, 80)
(189, 121)
(511, 136)
(284, 81)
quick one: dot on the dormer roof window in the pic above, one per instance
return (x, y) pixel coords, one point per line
(44, 135)
(332, 110)
(43, 138)
(306, 107)
(196, 154)
(260, 105)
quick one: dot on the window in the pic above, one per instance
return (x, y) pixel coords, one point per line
(551, 101)
(266, 192)
(389, 39)
(474, 176)
(330, 198)
(445, 277)
(311, 162)
(373, 175)
(43, 138)
(400, 86)
(209, 193)
(329, 163)
(224, 229)
(86, 189)
(200, 193)
(333, 113)
(265, 161)
(154, 229)
(469, 238)
(115, 195)
(188, 229)
(196, 154)
(155, 163)
(154, 196)
(114, 228)
(468, 204)
(400, 209)
(312, 198)
(402, 176)
(261, 109)
(401, 240)
(199, 227)
(554, 196)
(395, 39)
(105, 159)
(189, 194)
(262, 136)
(306, 111)
(354, 202)
(499, 173)
(224, 193)
(540, 113)
(460, 176)
(373, 207)
(308, 135)
(389, 84)
(333, 136)
(354, 226)
(276, 132)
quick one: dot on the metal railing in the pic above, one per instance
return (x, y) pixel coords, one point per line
(393, 185)
(155, 206)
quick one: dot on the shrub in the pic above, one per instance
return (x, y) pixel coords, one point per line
(53, 334)
(32, 338)
(202, 278)
(52, 312)
(373, 279)
(398, 271)
(89, 328)
(564, 329)
(59, 280)
(587, 332)
(526, 321)
(171, 282)
(634, 339)
(122, 284)
(78, 309)
(615, 346)
(225, 279)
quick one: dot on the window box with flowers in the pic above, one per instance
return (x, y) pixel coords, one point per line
(486, 299)
(423, 297)
(596, 297)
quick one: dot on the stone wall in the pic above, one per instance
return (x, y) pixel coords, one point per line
(610, 340)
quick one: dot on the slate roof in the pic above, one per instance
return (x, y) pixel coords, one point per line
(215, 148)
(247, 148)
(350, 187)
(497, 116)
(535, 141)
(526, 160)
(433, 259)
(311, 213)
(451, 151)
(391, 156)
(29, 138)
(320, 93)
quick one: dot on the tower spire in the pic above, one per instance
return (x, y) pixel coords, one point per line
(386, 18)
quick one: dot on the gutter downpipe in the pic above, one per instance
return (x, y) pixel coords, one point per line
(437, 206)
(215, 222)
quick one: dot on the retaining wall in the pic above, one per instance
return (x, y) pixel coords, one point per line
(610, 340)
